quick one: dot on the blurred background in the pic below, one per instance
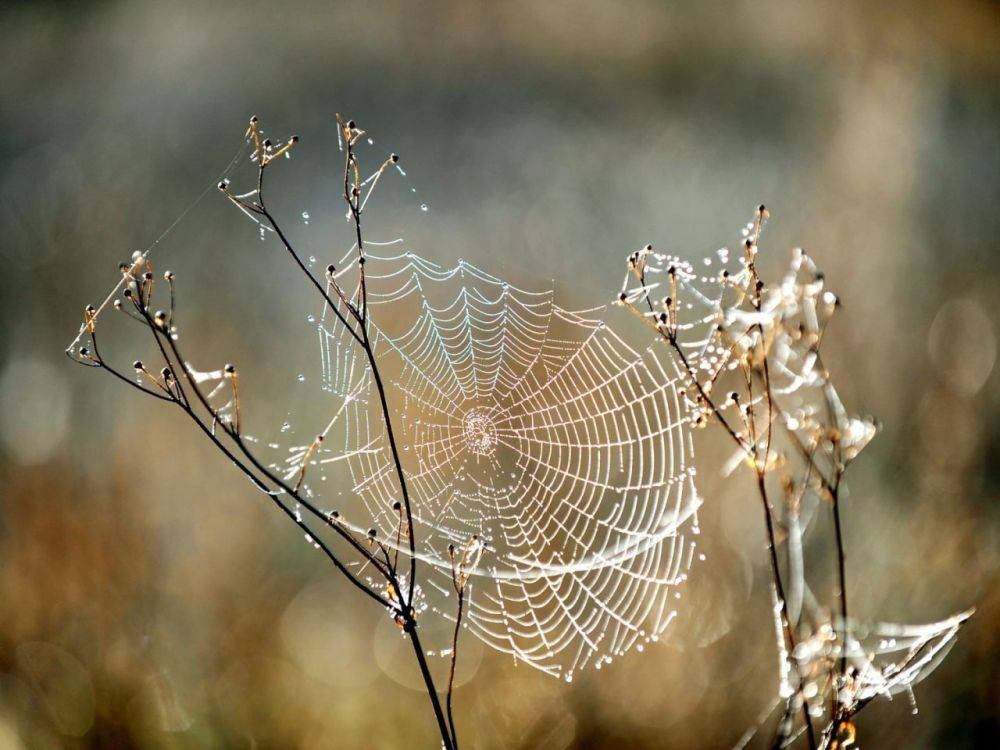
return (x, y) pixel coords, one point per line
(149, 598)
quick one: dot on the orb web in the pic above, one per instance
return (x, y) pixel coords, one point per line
(534, 429)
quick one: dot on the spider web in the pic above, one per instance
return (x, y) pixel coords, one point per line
(536, 433)
(535, 430)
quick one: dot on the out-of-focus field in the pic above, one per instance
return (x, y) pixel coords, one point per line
(149, 598)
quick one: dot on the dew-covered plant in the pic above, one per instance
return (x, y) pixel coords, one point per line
(522, 472)
(384, 568)
(535, 465)
(750, 351)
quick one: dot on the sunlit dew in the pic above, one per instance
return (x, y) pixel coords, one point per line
(465, 392)
(607, 569)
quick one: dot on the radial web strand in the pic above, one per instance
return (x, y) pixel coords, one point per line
(535, 430)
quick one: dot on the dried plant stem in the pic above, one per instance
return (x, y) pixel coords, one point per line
(454, 661)
(667, 330)
(758, 332)
(216, 425)
(460, 567)
(447, 738)
(842, 576)
(760, 469)
(352, 197)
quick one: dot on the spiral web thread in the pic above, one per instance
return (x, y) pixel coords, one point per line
(535, 431)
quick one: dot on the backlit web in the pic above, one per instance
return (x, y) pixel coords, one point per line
(533, 433)
(538, 432)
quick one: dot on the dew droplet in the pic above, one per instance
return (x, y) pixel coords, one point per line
(423, 207)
